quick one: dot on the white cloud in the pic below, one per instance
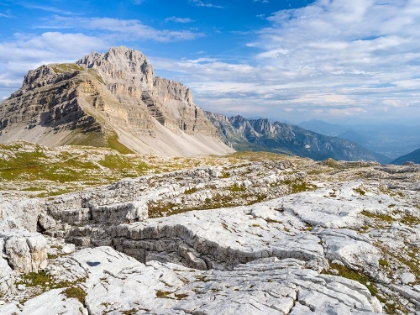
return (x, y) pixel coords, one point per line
(128, 30)
(199, 3)
(333, 57)
(46, 8)
(26, 52)
(5, 15)
(178, 20)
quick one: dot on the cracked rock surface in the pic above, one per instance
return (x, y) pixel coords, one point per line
(322, 240)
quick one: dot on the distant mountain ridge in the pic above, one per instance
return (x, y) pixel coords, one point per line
(387, 139)
(262, 135)
(410, 157)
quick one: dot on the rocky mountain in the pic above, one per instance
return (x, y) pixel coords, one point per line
(410, 157)
(110, 99)
(266, 235)
(263, 135)
(388, 139)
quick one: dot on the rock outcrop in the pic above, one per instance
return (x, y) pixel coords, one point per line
(263, 236)
(104, 99)
(269, 234)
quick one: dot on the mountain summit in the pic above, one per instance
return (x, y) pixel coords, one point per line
(109, 99)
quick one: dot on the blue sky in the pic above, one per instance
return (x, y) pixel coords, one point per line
(337, 60)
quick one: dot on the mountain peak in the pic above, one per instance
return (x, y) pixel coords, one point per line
(104, 97)
(121, 65)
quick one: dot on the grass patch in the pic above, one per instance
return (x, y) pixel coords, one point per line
(190, 191)
(95, 74)
(383, 262)
(360, 191)
(257, 156)
(66, 67)
(410, 220)
(332, 163)
(33, 279)
(52, 256)
(382, 217)
(76, 293)
(45, 282)
(353, 275)
(181, 296)
(162, 294)
(298, 186)
(236, 188)
(224, 175)
(114, 144)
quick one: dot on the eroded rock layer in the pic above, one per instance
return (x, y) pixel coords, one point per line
(105, 97)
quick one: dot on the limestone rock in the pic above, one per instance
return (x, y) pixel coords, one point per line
(407, 278)
(290, 254)
(51, 302)
(25, 252)
(117, 283)
(6, 277)
(129, 76)
(104, 99)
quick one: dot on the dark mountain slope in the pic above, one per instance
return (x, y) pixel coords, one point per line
(410, 157)
(262, 135)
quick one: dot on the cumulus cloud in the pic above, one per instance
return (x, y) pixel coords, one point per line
(122, 29)
(329, 59)
(27, 52)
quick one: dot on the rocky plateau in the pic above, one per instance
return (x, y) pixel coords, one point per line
(251, 234)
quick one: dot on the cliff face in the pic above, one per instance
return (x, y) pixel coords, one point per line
(263, 135)
(129, 76)
(105, 96)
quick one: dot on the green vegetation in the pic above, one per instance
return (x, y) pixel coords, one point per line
(45, 282)
(49, 172)
(236, 188)
(410, 220)
(162, 294)
(257, 156)
(94, 139)
(298, 186)
(181, 296)
(382, 217)
(95, 74)
(33, 279)
(66, 67)
(353, 275)
(360, 191)
(114, 144)
(190, 191)
(76, 293)
(224, 175)
(383, 262)
(332, 163)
